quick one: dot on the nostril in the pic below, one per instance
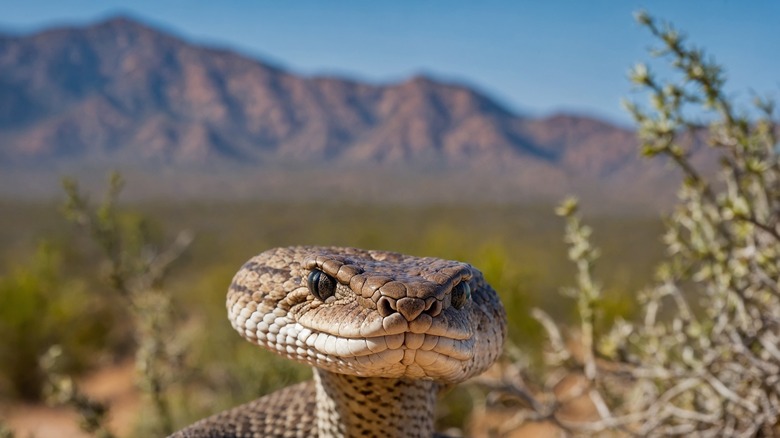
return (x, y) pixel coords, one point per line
(384, 307)
(434, 308)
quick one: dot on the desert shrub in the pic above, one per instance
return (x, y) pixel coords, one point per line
(136, 263)
(41, 307)
(703, 358)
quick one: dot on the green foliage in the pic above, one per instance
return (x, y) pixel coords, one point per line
(40, 307)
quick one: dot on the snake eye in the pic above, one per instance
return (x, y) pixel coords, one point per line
(460, 294)
(321, 285)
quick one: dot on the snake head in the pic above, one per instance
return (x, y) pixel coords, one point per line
(369, 313)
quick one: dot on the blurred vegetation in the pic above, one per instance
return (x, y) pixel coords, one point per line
(138, 263)
(5, 432)
(62, 390)
(519, 248)
(41, 306)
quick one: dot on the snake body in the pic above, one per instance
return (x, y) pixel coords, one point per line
(384, 333)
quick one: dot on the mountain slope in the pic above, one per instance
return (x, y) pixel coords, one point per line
(122, 93)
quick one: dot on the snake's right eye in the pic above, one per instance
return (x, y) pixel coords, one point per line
(461, 294)
(321, 285)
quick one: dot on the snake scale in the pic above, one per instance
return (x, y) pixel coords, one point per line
(384, 333)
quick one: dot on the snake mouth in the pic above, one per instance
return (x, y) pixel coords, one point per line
(402, 355)
(302, 341)
(424, 344)
(417, 355)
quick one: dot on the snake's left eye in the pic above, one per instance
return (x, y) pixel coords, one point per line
(321, 285)
(460, 294)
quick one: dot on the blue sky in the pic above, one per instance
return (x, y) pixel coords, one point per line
(535, 57)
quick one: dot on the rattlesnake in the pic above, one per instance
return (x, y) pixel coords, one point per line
(385, 332)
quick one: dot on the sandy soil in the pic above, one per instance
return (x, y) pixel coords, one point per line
(113, 385)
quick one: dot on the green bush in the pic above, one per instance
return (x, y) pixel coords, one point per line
(39, 308)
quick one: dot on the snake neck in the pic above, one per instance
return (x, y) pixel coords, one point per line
(351, 406)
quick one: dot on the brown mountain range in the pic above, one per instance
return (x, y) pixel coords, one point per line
(122, 93)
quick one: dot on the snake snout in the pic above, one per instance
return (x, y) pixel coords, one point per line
(410, 308)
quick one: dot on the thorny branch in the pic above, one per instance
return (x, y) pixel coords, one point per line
(704, 358)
